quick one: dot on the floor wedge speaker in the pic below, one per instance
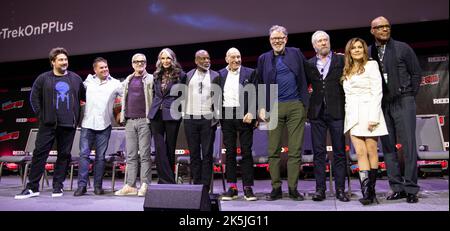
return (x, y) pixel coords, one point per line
(177, 197)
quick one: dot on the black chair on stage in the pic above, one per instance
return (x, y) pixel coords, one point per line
(29, 148)
(181, 161)
(20, 160)
(75, 156)
(260, 152)
(308, 157)
(430, 144)
(116, 154)
(307, 154)
(429, 140)
(185, 160)
(218, 159)
(260, 145)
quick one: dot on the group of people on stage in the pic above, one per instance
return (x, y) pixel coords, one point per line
(368, 93)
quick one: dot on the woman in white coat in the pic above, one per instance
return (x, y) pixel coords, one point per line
(364, 118)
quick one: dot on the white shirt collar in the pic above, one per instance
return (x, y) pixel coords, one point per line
(234, 72)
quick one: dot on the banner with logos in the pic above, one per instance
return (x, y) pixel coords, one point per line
(16, 120)
(433, 94)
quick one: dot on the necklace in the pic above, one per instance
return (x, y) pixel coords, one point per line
(322, 69)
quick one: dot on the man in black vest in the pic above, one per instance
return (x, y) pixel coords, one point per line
(326, 112)
(401, 74)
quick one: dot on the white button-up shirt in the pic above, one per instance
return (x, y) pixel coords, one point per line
(199, 101)
(231, 89)
(100, 97)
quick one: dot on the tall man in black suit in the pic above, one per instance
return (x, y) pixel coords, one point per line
(401, 73)
(237, 118)
(326, 112)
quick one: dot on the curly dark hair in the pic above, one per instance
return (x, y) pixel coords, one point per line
(55, 52)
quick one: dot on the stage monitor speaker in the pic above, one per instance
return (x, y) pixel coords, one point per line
(179, 197)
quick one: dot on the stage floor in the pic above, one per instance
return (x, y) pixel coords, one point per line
(434, 196)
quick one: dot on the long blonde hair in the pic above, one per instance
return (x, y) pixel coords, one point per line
(349, 62)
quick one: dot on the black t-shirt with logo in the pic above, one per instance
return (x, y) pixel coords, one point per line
(63, 102)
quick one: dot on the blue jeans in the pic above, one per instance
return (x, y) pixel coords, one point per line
(88, 138)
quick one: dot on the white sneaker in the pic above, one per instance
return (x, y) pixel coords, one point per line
(25, 194)
(127, 191)
(57, 192)
(143, 190)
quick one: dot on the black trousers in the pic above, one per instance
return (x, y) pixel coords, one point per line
(319, 129)
(44, 141)
(165, 133)
(200, 136)
(400, 116)
(230, 129)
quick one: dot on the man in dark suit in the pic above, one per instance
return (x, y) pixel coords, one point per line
(326, 112)
(283, 66)
(401, 74)
(237, 118)
(199, 120)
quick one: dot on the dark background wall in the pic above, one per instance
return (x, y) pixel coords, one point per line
(426, 38)
(29, 29)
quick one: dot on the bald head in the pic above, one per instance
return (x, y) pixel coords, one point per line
(200, 52)
(379, 20)
(380, 28)
(233, 50)
(233, 58)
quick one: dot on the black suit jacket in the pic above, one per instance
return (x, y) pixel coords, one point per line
(403, 69)
(328, 89)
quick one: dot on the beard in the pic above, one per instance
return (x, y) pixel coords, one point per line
(324, 51)
(61, 69)
(205, 67)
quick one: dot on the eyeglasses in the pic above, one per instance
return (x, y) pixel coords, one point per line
(139, 61)
(382, 27)
(277, 38)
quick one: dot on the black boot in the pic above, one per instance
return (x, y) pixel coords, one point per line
(365, 187)
(373, 181)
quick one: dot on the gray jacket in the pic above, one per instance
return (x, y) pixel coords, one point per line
(148, 83)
